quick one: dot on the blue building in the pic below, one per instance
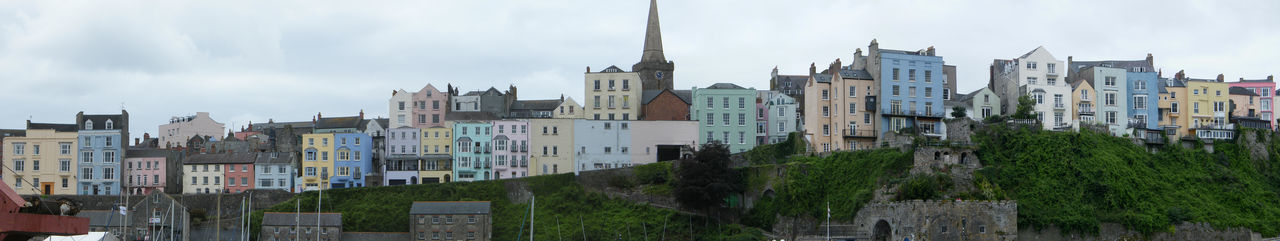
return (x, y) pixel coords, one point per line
(102, 143)
(911, 85)
(472, 153)
(1142, 95)
(353, 159)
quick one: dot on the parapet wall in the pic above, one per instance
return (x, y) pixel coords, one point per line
(938, 220)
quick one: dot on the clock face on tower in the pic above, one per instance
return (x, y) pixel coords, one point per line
(658, 74)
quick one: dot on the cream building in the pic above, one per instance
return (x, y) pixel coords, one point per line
(655, 141)
(1040, 75)
(612, 94)
(181, 129)
(200, 177)
(568, 109)
(400, 109)
(840, 108)
(42, 162)
(551, 146)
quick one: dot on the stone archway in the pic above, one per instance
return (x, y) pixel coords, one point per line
(964, 158)
(882, 231)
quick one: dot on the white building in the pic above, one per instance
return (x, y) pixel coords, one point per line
(780, 115)
(181, 129)
(1039, 75)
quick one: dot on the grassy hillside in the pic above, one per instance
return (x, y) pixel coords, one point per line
(846, 180)
(1077, 180)
(564, 209)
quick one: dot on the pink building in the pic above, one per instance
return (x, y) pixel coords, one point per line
(239, 175)
(147, 171)
(429, 105)
(510, 148)
(1265, 88)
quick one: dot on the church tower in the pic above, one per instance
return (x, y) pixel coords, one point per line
(654, 69)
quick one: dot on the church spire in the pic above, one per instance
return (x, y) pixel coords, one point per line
(653, 37)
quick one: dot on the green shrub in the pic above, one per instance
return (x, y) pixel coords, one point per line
(656, 173)
(924, 187)
(622, 182)
(657, 190)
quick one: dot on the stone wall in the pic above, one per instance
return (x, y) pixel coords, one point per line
(959, 129)
(937, 220)
(262, 199)
(1112, 231)
(958, 162)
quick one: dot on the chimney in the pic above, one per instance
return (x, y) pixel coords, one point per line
(361, 114)
(1220, 77)
(393, 92)
(1150, 59)
(857, 52)
(1271, 78)
(1182, 74)
(319, 116)
(931, 51)
(146, 136)
(137, 142)
(813, 69)
(588, 69)
(834, 68)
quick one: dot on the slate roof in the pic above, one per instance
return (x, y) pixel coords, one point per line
(374, 236)
(54, 127)
(550, 104)
(280, 158)
(282, 125)
(338, 122)
(11, 133)
(100, 121)
(725, 86)
(473, 207)
(131, 153)
(1256, 81)
(795, 80)
(650, 95)
(822, 78)
(855, 74)
(894, 51)
(468, 115)
(102, 218)
(490, 91)
(1240, 91)
(221, 158)
(304, 219)
(1126, 65)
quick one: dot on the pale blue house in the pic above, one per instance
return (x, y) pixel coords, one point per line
(472, 152)
(102, 143)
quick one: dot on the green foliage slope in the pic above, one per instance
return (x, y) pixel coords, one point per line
(846, 180)
(564, 210)
(1078, 180)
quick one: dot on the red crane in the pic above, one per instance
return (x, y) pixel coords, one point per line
(20, 221)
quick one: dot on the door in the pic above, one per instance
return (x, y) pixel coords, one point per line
(95, 189)
(47, 187)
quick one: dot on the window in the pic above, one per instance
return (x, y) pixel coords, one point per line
(1266, 106)
(1031, 65)
(64, 165)
(1052, 67)
(19, 148)
(611, 84)
(911, 91)
(911, 75)
(824, 95)
(895, 106)
(1139, 85)
(1052, 81)
(35, 165)
(895, 74)
(852, 107)
(853, 91)
(19, 164)
(595, 103)
(88, 125)
(1140, 102)
(1057, 101)
(1057, 118)
(928, 92)
(1084, 94)
(711, 119)
(35, 149)
(1110, 81)
(710, 102)
(1032, 80)
(742, 119)
(726, 118)
(108, 173)
(928, 76)
(86, 173)
(896, 90)
(1195, 107)
(611, 102)
(742, 102)
(1111, 117)
(1110, 98)
(1173, 107)
(726, 137)
(596, 84)
(866, 118)
(725, 101)
(826, 111)
(86, 157)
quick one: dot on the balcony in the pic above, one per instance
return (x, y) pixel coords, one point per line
(852, 133)
(1230, 127)
(1086, 111)
(913, 113)
(1137, 124)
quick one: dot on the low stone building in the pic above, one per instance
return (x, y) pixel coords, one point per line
(451, 221)
(301, 226)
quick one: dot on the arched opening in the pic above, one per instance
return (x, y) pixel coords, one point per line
(446, 178)
(937, 155)
(769, 193)
(882, 231)
(964, 158)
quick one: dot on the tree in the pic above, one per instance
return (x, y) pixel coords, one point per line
(706, 179)
(1026, 108)
(957, 112)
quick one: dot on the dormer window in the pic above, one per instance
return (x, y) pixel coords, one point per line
(110, 125)
(88, 125)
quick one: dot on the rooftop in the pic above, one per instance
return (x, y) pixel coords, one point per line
(54, 127)
(339, 122)
(306, 219)
(1241, 91)
(466, 207)
(221, 158)
(725, 86)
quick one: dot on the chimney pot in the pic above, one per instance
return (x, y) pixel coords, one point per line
(1221, 77)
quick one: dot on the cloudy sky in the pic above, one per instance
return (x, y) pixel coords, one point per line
(253, 60)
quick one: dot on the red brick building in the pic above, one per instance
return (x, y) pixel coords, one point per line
(665, 104)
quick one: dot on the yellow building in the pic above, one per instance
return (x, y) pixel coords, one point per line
(551, 146)
(43, 160)
(436, 162)
(1208, 103)
(1084, 99)
(568, 109)
(1173, 108)
(840, 108)
(316, 160)
(612, 94)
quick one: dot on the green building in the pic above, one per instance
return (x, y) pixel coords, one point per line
(725, 113)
